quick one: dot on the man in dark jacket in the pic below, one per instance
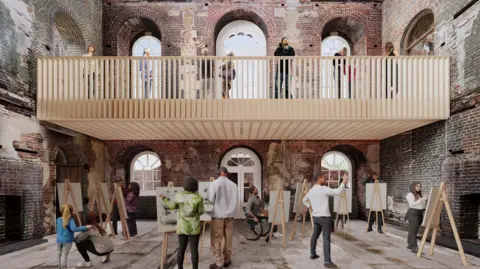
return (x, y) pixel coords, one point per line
(371, 179)
(282, 71)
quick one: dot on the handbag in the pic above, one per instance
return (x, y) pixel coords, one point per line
(82, 236)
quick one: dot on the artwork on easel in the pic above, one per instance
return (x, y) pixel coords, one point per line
(376, 202)
(286, 207)
(166, 218)
(336, 201)
(298, 204)
(434, 192)
(207, 205)
(77, 190)
(117, 196)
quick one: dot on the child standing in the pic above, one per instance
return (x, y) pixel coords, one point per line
(66, 229)
(190, 208)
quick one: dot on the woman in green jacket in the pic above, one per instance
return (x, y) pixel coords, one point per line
(190, 207)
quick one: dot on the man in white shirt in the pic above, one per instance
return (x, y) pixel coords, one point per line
(317, 200)
(223, 193)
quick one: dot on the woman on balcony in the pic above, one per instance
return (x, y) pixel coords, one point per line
(227, 73)
(90, 73)
(282, 73)
(390, 87)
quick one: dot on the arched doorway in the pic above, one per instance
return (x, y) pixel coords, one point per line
(245, 170)
(244, 38)
(334, 165)
(330, 46)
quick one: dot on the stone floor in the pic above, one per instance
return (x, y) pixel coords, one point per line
(360, 250)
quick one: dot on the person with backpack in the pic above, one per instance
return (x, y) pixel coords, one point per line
(66, 228)
(190, 207)
(228, 74)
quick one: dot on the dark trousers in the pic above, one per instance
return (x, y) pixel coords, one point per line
(87, 246)
(340, 219)
(183, 240)
(148, 90)
(321, 224)
(340, 88)
(115, 218)
(415, 218)
(279, 79)
(132, 223)
(373, 217)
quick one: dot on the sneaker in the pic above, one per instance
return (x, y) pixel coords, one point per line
(313, 257)
(277, 234)
(84, 264)
(106, 258)
(330, 265)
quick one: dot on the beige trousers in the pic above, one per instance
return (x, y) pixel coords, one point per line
(222, 228)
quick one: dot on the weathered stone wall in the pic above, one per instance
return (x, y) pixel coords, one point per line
(422, 154)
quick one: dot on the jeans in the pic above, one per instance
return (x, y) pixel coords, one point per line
(321, 224)
(87, 245)
(132, 223)
(63, 250)
(373, 217)
(278, 84)
(183, 239)
(415, 218)
(222, 228)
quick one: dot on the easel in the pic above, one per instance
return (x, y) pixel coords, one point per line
(100, 201)
(117, 195)
(281, 202)
(204, 225)
(67, 190)
(304, 192)
(164, 252)
(433, 222)
(342, 209)
(376, 194)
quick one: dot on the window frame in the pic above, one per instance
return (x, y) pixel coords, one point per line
(144, 192)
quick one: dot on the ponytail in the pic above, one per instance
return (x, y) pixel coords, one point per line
(66, 214)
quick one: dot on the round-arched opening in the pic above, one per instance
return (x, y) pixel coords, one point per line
(334, 165)
(67, 36)
(352, 31)
(244, 38)
(245, 170)
(330, 46)
(134, 29)
(147, 42)
(419, 35)
(145, 169)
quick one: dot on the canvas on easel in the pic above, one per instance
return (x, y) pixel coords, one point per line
(279, 201)
(302, 190)
(117, 195)
(437, 199)
(103, 207)
(343, 208)
(71, 193)
(377, 192)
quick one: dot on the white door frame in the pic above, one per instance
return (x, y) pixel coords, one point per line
(241, 170)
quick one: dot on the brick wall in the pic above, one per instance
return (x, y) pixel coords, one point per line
(422, 154)
(301, 159)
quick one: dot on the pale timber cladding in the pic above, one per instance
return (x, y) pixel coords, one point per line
(119, 98)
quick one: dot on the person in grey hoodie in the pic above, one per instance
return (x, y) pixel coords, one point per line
(95, 241)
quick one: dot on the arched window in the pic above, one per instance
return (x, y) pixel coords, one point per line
(145, 170)
(419, 36)
(330, 46)
(334, 164)
(147, 42)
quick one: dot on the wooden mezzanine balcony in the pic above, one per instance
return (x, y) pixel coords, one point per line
(180, 98)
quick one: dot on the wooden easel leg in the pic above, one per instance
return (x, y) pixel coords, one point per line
(294, 226)
(383, 222)
(344, 231)
(455, 232)
(376, 220)
(274, 218)
(284, 229)
(349, 226)
(163, 254)
(303, 223)
(432, 243)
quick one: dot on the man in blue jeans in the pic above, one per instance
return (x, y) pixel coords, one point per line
(317, 200)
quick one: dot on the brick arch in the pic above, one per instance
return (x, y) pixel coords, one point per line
(74, 154)
(418, 25)
(115, 26)
(260, 149)
(231, 13)
(70, 33)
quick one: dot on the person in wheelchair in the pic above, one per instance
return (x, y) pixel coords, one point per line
(254, 209)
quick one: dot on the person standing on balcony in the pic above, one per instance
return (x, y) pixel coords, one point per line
(371, 179)
(206, 71)
(390, 51)
(416, 204)
(228, 74)
(145, 65)
(282, 71)
(342, 53)
(317, 199)
(91, 74)
(223, 193)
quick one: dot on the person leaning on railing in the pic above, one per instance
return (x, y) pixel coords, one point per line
(90, 52)
(282, 71)
(389, 87)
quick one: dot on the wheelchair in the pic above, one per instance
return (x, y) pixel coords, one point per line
(253, 230)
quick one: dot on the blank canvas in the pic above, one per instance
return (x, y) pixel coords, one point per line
(207, 206)
(77, 191)
(376, 201)
(286, 207)
(336, 202)
(298, 206)
(429, 210)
